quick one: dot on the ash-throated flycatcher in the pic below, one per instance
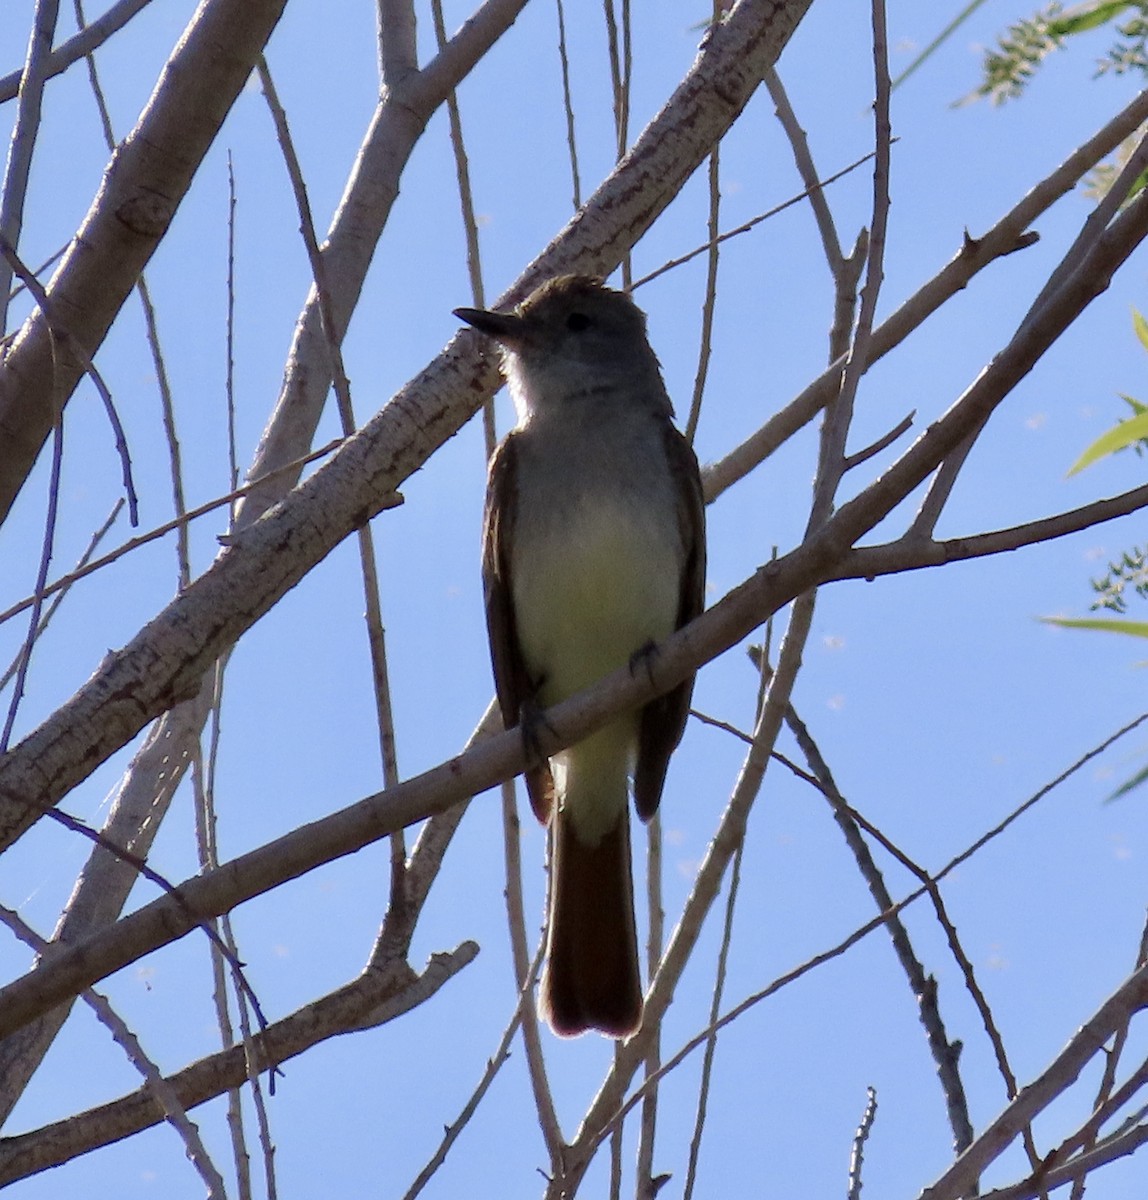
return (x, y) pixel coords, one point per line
(593, 550)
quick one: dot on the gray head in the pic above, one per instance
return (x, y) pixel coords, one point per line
(572, 336)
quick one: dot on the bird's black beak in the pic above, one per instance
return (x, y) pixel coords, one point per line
(503, 327)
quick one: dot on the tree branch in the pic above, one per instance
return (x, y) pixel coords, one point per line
(381, 995)
(1006, 236)
(144, 183)
(1131, 997)
(90, 38)
(911, 554)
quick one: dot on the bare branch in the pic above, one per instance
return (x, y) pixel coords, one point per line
(493, 1065)
(1107, 1150)
(911, 554)
(90, 38)
(34, 623)
(567, 104)
(1006, 236)
(859, 1139)
(22, 146)
(155, 1085)
(398, 52)
(945, 1052)
(803, 158)
(143, 185)
(1131, 997)
(715, 1012)
(382, 995)
(876, 922)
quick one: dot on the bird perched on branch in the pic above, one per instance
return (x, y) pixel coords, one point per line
(593, 551)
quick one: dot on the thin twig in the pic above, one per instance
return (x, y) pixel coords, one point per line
(525, 971)
(709, 303)
(619, 55)
(34, 622)
(469, 219)
(75, 825)
(648, 1122)
(752, 223)
(845, 271)
(857, 1157)
(494, 1064)
(568, 107)
(839, 413)
(715, 1011)
(803, 159)
(83, 560)
(40, 270)
(938, 41)
(23, 143)
(882, 443)
(229, 376)
(208, 847)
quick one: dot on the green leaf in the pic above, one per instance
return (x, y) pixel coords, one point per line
(1141, 327)
(1129, 784)
(1134, 628)
(1138, 185)
(1088, 16)
(1124, 434)
(1134, 404)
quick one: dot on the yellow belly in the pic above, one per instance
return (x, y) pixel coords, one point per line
(591, 593)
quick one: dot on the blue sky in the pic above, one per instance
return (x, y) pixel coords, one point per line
(938, 699)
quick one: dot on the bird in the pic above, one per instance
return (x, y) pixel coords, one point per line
(593, 550)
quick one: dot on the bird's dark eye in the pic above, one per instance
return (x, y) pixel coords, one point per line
(577, 321)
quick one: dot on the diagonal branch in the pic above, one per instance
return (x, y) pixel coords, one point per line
(146, 179)
(1009, 234)
(381, 995)
(90, 38)
(1088, 1041)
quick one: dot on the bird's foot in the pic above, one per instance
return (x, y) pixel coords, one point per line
(532, 721)
(643, 659)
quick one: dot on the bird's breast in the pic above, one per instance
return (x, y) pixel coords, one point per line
(595, 577)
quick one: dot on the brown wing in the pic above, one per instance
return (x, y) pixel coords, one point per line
(511, 681)
(663, 721)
